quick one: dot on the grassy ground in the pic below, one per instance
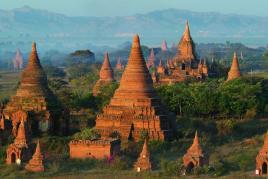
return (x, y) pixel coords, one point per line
(8, 83)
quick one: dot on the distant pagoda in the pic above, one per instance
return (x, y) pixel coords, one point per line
(234, 71)
(106, 75)
(119, 65)
(195, 156)
(135, 106)
(151, 59)
(18, 61)
(34, 96)
(143, 163)
(164, 47)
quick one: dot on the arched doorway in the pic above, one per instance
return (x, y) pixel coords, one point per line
(264, 168)
(13, 158)
(190, 167)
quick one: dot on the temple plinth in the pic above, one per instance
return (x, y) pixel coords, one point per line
(143, 163)
(36, 164)
(106, 75)
(234, 71)
(34, 96)
(135, 106)
(195, 156)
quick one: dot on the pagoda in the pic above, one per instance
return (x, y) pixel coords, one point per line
(34, 96)
(184, 64)
(20, 150)
(119, 65)
(160, 68)
(36, 164)
(262, 158)
(18, 61)
(143, 163)
(135, 106)
(106, 75)
(195, 156)
(164, 47)
(234, 71)
(151, 60)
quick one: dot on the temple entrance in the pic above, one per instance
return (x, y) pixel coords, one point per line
(13, 158)
(190, 167)
(130, 137)
(264, 168)
(183, 66)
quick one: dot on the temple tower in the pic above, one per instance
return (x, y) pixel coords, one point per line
(36, 164)
(262, 159)
(234, 71)
(195, 156)
(18, 61)
(151, 59)
(135, 106)
(106, 75)
(143, 163)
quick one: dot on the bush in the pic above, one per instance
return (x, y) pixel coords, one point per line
(170, 168)
(87, 134)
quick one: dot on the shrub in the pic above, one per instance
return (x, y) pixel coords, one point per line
(87, 134)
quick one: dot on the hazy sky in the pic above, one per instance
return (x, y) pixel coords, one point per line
(129, 7)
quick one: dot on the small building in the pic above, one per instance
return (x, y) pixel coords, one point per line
(195, 156)
(98, 149)
(262, 159)
(20, 150)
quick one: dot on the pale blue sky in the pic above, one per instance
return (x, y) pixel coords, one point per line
(129, 7)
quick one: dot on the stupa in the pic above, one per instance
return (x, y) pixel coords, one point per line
(20, 150)
(262, 158)
(106, 75)
(151, 59)
(18, 61)
(195, 156)
(36, 164)
(119, 65)
(135, 106)
(234, 71)
(164, 47)
(143, 163)
(161, 69)
(34, 96)
(185, 63)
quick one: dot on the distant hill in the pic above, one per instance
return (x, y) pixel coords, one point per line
(22, 24)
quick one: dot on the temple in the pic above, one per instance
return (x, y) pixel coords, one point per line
(18, 61)
(135, 106)
(20, 150)
(234, 71)
(195, 156)
(143, 163)
(164, 47)
(36, 164)
(106, 75)
(185, 64)
(34, 97)
(262, 158)
(119, 66)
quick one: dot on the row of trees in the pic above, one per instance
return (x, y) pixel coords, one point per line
(239, 98)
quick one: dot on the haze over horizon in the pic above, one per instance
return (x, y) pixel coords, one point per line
(131, 7)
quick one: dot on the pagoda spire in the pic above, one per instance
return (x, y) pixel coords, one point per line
(106, 72)
(187, 34)
(36, 164)
(34, 59)
(21, 138)
(143, 162)
(234, 71)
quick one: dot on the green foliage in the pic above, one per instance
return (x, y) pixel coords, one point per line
(87, 134)
(170, 168)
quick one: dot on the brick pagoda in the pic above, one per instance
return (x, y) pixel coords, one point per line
(234, 71)
(106, 75)
(262, 158)
(36, 164)
(143, 163)
(135, 106)
(195, 156)
(34, 96)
